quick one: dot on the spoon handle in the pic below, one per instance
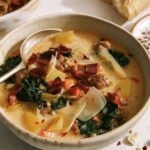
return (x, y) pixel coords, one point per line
(12, 72)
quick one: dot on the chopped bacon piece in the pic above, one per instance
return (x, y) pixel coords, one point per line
(37, 72)
(15, 90)
(91, 68)
(43, 59)
(12, 99)
(115, 98)
(78, 73)
(32, 59)
(56, 86)
(57, 81)
(84, 71)
(37, 60)
(76, 91)
(48, 54)
(42, 62)
(84, 87)
(68, 83)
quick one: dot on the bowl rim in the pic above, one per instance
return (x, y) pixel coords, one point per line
(84, 141)
(15, 12)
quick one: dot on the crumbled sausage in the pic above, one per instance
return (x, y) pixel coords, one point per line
(62, 64)
(75, 128)
(98, 80)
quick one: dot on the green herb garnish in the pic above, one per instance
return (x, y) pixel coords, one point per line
(60, 103)
(110, 113)
(32, 88)
(109, 116)
(88, 127)
(10, 63)
(119, 57)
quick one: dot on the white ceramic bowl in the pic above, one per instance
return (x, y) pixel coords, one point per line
(88, 23)
(16, 18)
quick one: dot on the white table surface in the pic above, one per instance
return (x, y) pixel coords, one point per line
(8, 141)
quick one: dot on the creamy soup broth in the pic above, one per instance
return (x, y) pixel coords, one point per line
(86, 42)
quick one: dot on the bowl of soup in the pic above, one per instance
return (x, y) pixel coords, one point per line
(83, 87)
(14, 13)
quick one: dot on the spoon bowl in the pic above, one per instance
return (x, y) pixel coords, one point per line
(26, 46)
(35, 38)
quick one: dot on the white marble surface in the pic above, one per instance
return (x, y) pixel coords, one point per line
(8, 141)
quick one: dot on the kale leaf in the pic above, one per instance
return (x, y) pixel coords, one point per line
(88, 127)
(119, 57)
(110, 110)
(10, 63)
(32, 89)
(60, 103)
(109, 114)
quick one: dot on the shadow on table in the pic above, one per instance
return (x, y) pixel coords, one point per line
(8, 141)
(97, 8)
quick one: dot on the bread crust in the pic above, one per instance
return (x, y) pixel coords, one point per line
(129, 8)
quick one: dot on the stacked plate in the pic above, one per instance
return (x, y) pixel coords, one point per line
(141, 30)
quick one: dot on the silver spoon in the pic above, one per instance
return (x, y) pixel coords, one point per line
(26, 46)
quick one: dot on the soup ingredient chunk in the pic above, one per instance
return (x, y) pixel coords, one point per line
(10, 63)
(104, 54)
(119, 57)
(95, 102)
